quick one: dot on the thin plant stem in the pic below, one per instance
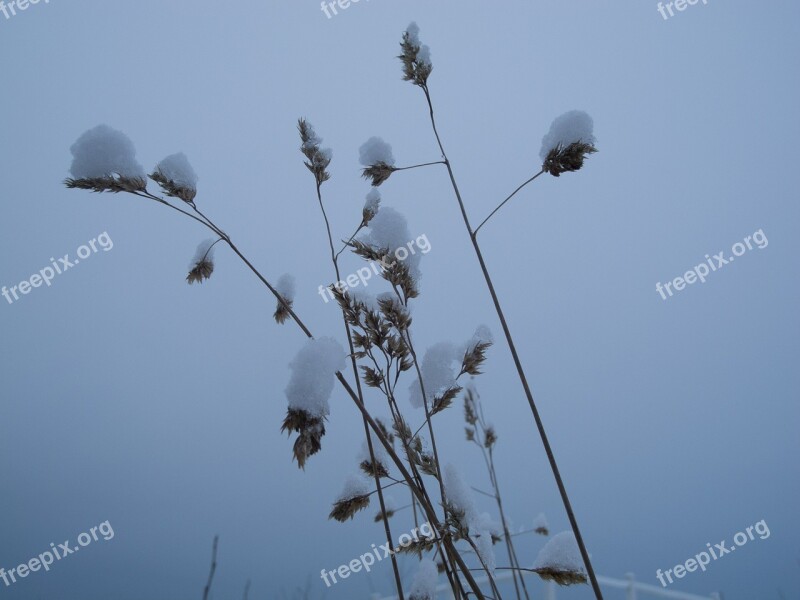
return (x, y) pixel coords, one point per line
(437, 162)
(506, 200)
(213, 568)
(517, 362)
(373, 461)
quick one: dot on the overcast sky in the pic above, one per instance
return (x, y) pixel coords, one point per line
(127, 395)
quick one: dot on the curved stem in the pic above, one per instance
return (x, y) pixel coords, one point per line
(504, 201)
(347, 243)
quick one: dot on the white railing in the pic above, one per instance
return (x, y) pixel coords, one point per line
(634, 590)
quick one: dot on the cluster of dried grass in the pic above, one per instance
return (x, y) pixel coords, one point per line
(381, 350)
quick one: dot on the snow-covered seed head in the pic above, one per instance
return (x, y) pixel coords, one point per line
(490, 437)
(310, 429)
(568, 143)
(354, 497)
(540, 525)
(317, 159)
(371, 206)
(286, 288)
(176, 177)
(424, 585)
(415, 56)
(560, 560)
(104, 160)
(310, 386)
(375, 464)
(202, 265)
(378, 161)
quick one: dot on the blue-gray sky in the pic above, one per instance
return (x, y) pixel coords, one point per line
(132, 397)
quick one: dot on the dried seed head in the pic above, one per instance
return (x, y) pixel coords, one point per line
(445, 399)
(378, 173)
(310, 430)
(109, 183)
(540, 525)
(176, 177)
(389, 515)
(563, 159)
(470, 406)
(474, 357)
(490, 437)
(346, 509)
(371, 206)
(418, 546)
(354, 497)
(286, 289)
(282, 313)
(415, 56)
(372, 377)
(104, 160)
(318, 158)
(560, 560)
(561, 577)
(374, 469)
(202, 265)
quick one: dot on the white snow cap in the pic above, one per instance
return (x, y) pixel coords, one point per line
(373, 202)
(102, 152)
(424, 54)
(480, 526)
(313, 138)
(482, 335)
(354, 486)
(286, 286)
(487, 523)
(312, 379)
(389, 229)
(458, 492)
(177, 169)
(375, 151)
(440, 363)
(540, 521)
(437, 372)
(204, 249)
(483, 543)
(572, 126)
(378, 450)
(424, 585)
(561, 553)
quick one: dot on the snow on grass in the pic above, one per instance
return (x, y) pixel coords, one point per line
(312, 378)
(104, 152)
(375, 151)
(572, 126)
